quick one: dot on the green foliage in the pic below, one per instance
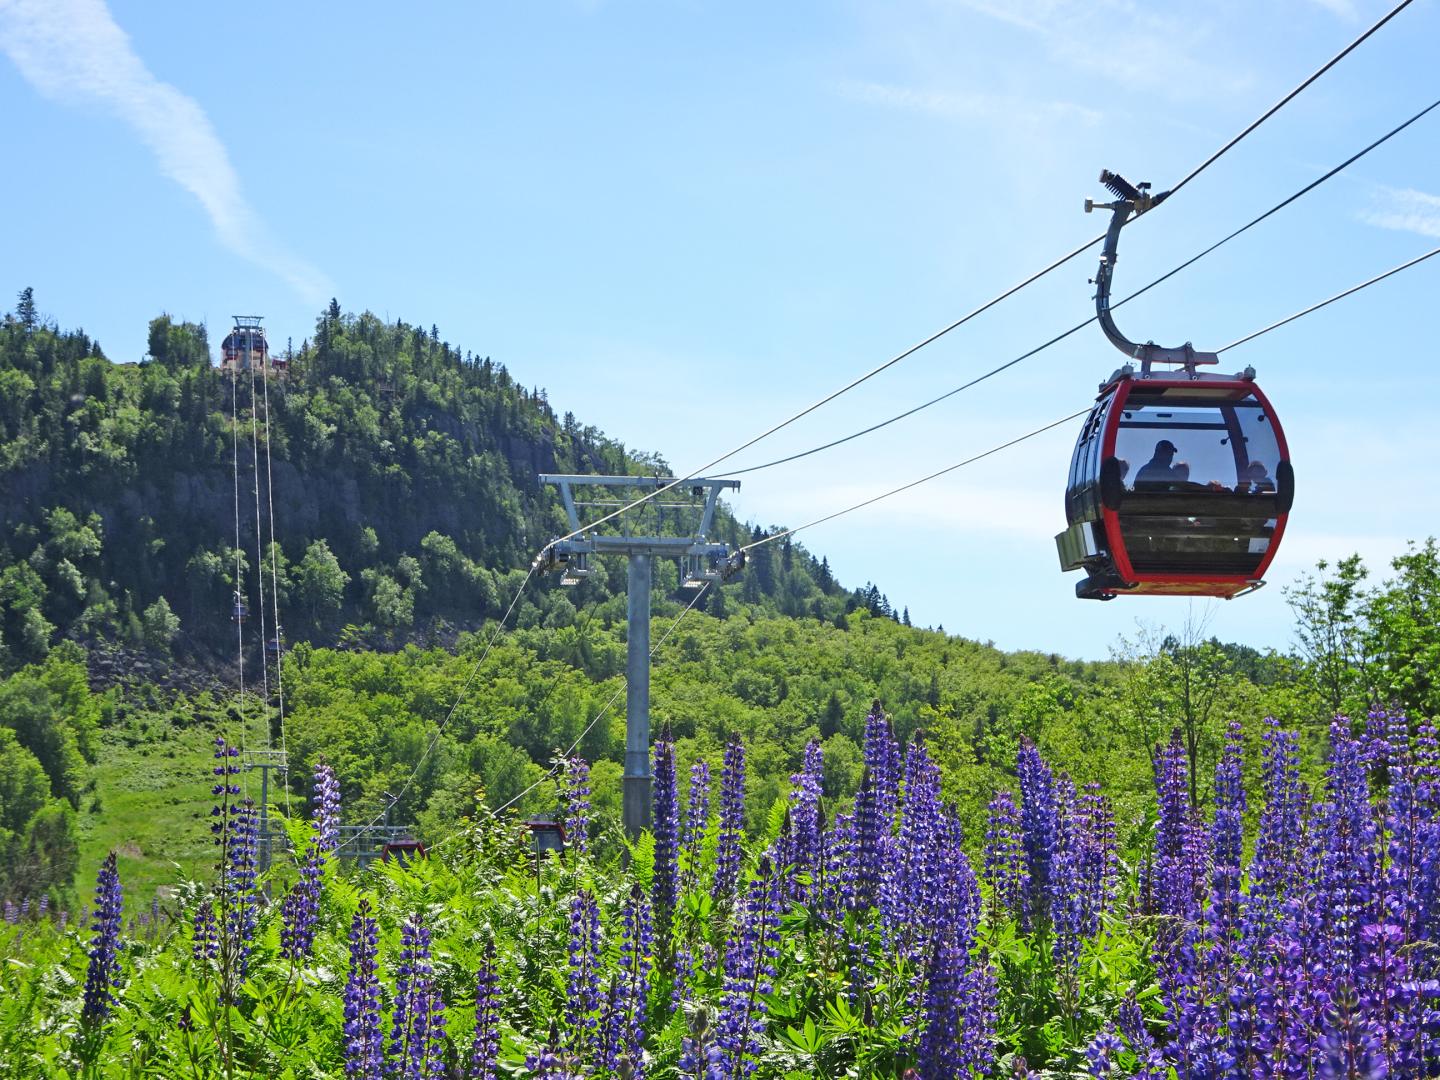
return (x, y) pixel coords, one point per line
(49, 724)
(159, 625)
(1378, 645)
(24, 787)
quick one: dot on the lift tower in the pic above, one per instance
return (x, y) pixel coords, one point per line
(701, 562)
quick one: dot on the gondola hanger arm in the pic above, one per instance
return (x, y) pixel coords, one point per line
(1132, 200)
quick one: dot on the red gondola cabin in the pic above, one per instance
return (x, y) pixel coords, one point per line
(403, 851)
(1181, 482)
(1179, 485)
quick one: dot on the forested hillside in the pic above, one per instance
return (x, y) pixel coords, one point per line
(856, 910)
(402, 470)
(406, 504)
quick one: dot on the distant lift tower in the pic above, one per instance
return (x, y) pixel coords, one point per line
(701, 562)
(246, 350)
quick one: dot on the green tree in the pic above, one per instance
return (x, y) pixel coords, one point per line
(392, 605)
(25, 308)
(1331, 608)
(159, 625)
(175, 346)
(27, 709)
(207, 583)
(320, 584)
(26, 630)
(1402, 633)
(24, 787)
(43, 857)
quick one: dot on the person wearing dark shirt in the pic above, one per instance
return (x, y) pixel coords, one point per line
(1158, 472)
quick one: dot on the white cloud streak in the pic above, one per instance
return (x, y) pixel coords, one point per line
(1406, 210)
(1343, 9)
(73, 52)
(1129, 44)
(968, 106)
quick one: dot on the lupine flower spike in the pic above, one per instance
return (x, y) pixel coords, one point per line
(103, 972)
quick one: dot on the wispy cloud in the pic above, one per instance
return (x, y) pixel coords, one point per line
(1344, 9)
(72, 51)
(967, 106)
(1132, 46)
(1406, 210)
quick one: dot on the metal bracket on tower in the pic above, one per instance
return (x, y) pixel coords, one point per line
(701, 562)
(266, 761)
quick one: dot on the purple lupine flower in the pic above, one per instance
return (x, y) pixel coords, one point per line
(363, 1042)
(732, 822)
(1099, 866)
(1068, 899)
(300, 911)
(582, 1001)
(800, 846)
(624, 1028)
(882, 758)
(1175, 872)
(838, 866)
(665, 887)
(1227, 837)
(298, 915)
(875, 804)
(1413, 849)
(871, 837)
(1284, 1006)
(1100, 1055)
(235, 835)
(697, 818)
(918, 876)
(909, 889)
(1347, 1048)
(700, 1057)
(941, 1041)
(102, 975)
(327, 807)
(1275, 869)
(485, 1045)
(958, 1012)
(749, 970)
(1068, 915)
(958, 1002)
(980, 994)
(1039, 819)
(12, 913)
(1005, 871)
(44, 904)
(576, 796)
(1386, 998)
(238, 885)
(552, 1064)
(1150, 1062)
(205, 942)
(683, 977)
(417, 1029)
(1345, 829)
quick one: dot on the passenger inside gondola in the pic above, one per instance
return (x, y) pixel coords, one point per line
(1158, 473)
(1255, 480)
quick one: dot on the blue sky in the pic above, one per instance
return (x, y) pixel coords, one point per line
(688, 220)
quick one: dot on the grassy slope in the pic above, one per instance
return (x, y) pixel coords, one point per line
(152, 780)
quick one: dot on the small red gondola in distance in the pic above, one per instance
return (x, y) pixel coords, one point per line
(1180, 483)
